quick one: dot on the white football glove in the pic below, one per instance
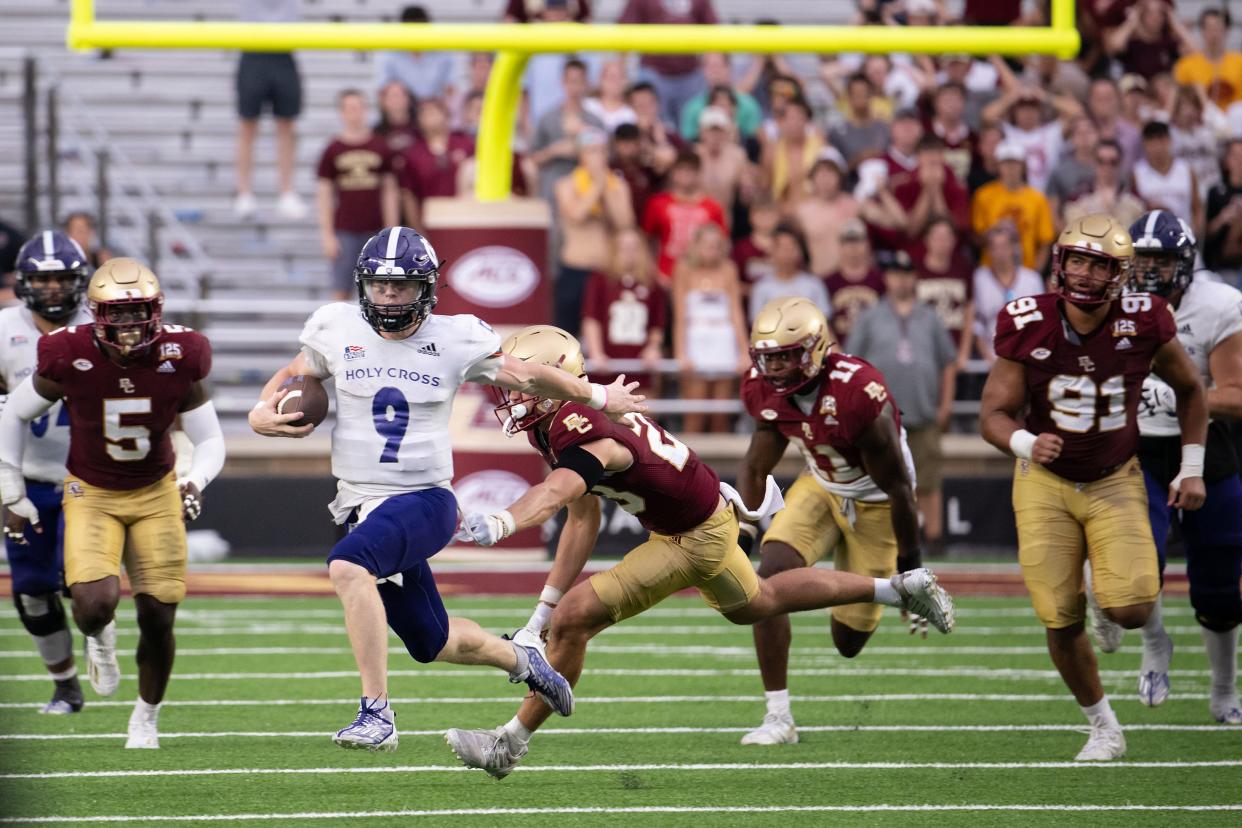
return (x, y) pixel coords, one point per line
(488, 530)
(26, 510)
(918, 624)
(1158, 398)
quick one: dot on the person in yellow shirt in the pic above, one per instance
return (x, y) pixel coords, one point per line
(1010, 197)
(1213, 69)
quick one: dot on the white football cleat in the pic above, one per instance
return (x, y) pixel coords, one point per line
(101, 666)
(144, 731)
(374, 728)
(776, 729)
(494, 751)
(922, 595)
(1228, 712)
(1107, 742)
(1106, 632)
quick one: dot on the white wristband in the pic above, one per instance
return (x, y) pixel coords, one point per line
(1192, 460)
(507, 521)
(550, 595)
(1022, 443)
(599, 397)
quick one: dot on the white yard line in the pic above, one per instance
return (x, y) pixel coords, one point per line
(747, 699)
(669, 766)
(645, 731)
(648, 809)
(1000, 674)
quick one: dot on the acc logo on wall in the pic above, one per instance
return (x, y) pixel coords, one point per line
(489, 491)
(494, 276)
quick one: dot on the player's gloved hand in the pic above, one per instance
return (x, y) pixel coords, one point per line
(488, 530)
(918, 624)
(266, 421)
(1187, 491)
(191, 500)
(619, 399)
(16, 516)
(747, 536)
(1158, 398)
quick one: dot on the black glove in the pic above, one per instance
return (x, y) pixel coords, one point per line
(747, 537)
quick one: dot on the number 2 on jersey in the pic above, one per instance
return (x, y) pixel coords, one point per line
(391, 413)
(674, 452)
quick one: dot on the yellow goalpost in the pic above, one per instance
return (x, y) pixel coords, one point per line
(515, 43)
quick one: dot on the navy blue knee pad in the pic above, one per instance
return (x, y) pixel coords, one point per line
(416, 613)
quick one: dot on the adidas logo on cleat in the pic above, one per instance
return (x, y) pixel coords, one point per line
(429, 350)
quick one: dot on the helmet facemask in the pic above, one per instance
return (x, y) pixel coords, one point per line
(128, 325)
(396, 304)
(1162, 272)
(789, 368)
(52, 294)
(518, 411)
(1082, 286)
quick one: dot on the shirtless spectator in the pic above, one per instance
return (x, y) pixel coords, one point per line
(593, 204)
(828, 206)
(728, 175)
(785, 165)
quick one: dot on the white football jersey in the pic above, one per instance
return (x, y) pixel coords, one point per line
(1209, 313)
(394, 397)
(47, 445)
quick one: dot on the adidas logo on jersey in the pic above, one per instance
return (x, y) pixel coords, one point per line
(166, 367)
(1123, 343)
(429, 349)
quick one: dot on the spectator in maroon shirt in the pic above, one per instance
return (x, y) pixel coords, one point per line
(676, 78)
(946, 282)
(673, 216)
(933, 191)
(397, 124)
(432, 163)
(948, 124)
(624, 311)
(858, 284)
(752, 253)
(1150, 40)
(991, 12)
(357, 194)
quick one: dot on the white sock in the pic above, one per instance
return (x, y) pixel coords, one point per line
(1222, 651)
(1100, 713)
(65, 674)
(144, 710)
(778, 702)
(1157, 645)
(886, 593)
(517, 730)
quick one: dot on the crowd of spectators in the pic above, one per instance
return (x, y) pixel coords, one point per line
(901, 193)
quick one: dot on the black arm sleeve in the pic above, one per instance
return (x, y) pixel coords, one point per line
(587, 465)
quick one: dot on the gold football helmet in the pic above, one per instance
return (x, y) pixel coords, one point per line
(788, 342)
(1100, 237)
(128, 305)
(542, 345)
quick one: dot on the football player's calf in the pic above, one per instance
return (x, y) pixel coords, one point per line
(43, 616)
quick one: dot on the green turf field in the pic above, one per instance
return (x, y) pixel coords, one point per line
(976, 720)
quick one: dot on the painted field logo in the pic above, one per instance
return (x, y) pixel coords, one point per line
(489, 491)
(494, 276)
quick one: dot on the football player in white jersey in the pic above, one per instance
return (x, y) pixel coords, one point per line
(396, 368)
(1209, 325)
(51, 275)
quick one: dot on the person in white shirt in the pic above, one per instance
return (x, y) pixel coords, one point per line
(998, 284)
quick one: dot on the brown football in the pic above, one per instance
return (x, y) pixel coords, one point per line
(307, 395)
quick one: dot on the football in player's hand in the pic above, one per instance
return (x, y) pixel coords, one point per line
(307, 395)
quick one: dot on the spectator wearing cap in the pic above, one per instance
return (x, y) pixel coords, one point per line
(432, 163)
(554, 149)
(1214, 69)
(859, 134)
(677, 77)
(946, 283)
(857, 284)
(728, 175)
(752, 253)
(829, 205)
(1165, 182)
(629, 161)
(672, 216)
(1074, 174)
(1020, 112)
(932, 191)
(1009, 197)
(425, 74)
(785, 164)
(1137, 105)
(593, 205)
(788, 275)
(1150, 39)
(609, 103)
(1108, 193)
(948, 123)
(999, 282)
(1105, 108)
(718, 72)
(905, 339)
(1222, 243)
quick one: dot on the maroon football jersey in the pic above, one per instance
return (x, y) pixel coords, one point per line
(120, 416)
(668, 488)
(1085, 388)
(849, 395)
